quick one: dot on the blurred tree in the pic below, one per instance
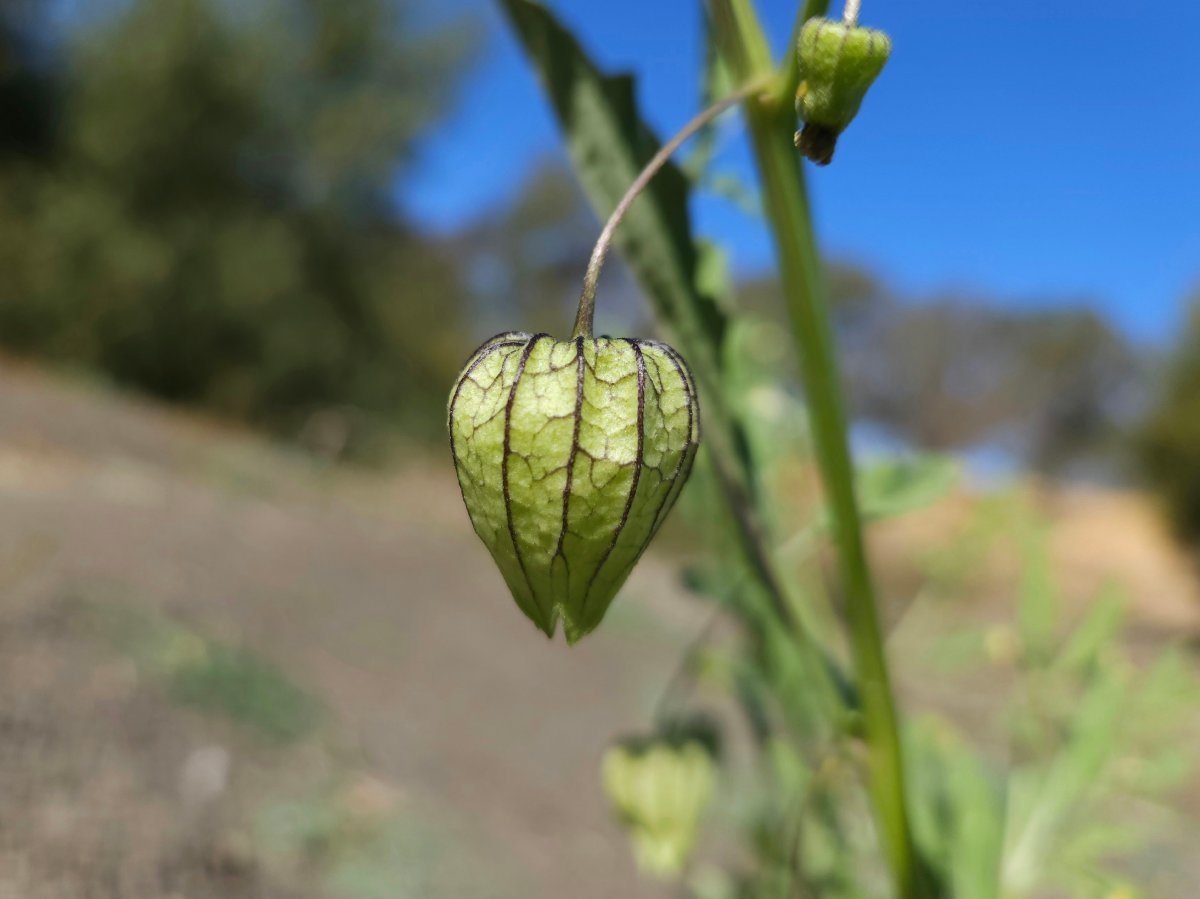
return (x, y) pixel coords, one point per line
(858, 298)
(1168, 441)
(527, 259)
(28, 96)
(218, 224)
(1053, 385)
(950, 374)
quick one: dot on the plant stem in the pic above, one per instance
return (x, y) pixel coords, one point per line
(585, 317)
(786, 202)
(787, 207)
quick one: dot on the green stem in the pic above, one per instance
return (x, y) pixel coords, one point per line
(787, 208)
(786, 202)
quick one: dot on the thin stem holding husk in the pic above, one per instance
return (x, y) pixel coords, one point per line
(587, 299)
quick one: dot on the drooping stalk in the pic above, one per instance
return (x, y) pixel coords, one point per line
(786, 204)
(587, 299)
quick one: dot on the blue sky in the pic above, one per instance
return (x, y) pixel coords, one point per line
(1033, 152)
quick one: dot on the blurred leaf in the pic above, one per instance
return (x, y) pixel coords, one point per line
(212, 676)
(892, 487)
(716, 83)
(958, 810)
(1037, 601)
(1100, 631)
(1050, 805)
(734, 190)
(713, 277)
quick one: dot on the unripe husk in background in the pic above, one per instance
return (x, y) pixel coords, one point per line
(570, 454)
(660, 792)
(838, 63)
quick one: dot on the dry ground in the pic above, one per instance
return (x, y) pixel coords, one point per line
(456, 751)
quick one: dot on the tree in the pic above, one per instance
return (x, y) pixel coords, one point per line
(527, 259)
(217, 224)
(28, 96)
(952, 372)
(1168, 440)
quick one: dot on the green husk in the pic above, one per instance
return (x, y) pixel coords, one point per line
(570, 454)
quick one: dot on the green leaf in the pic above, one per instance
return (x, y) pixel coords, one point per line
(958, 809)
(1037, 604)
(891, 487)
(716, 82)
(1100, 631)
(1054, 803)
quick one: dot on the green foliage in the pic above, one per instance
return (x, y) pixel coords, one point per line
(248, 689)
(214, 224)
(210, 675)
(1034, 804)
(892, 486)
(1055, 387)
(358, 838)
(1063, 791)
(1168, 444)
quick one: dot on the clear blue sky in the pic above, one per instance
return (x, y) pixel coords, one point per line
(1036, 151)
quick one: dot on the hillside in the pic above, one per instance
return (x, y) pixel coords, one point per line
(232, 671)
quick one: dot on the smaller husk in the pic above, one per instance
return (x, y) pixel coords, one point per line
(838, 63)
(660, 793)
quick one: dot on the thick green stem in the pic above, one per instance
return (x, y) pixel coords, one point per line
(787, 208)
(786, 202)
